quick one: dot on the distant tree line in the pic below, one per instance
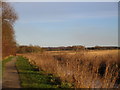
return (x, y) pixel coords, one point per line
(75, 48)
(103, 48)
(29, 49)
(9, 17)
(80, 47)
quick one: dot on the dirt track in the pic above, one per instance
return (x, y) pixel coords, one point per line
(10, 76)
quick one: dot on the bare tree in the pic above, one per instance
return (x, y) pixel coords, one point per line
(8, 39)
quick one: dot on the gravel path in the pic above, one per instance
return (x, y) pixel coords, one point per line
(10, 76)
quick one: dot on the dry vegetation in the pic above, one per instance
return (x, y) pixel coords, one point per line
(86, 69)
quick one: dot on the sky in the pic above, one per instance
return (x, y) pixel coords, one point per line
(51, 24)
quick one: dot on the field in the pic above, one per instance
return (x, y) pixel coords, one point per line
(84, 69)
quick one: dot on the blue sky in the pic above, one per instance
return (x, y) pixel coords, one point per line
(66, 23)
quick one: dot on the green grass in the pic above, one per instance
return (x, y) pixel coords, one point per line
(31, 77)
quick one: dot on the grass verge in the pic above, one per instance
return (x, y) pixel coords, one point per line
(31, 77)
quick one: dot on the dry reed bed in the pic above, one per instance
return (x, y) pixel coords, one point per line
(85, 69)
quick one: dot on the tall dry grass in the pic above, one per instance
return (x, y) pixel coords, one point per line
(86, 69)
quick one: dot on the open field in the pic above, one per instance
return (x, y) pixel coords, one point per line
(85, 69)
(91, 52)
